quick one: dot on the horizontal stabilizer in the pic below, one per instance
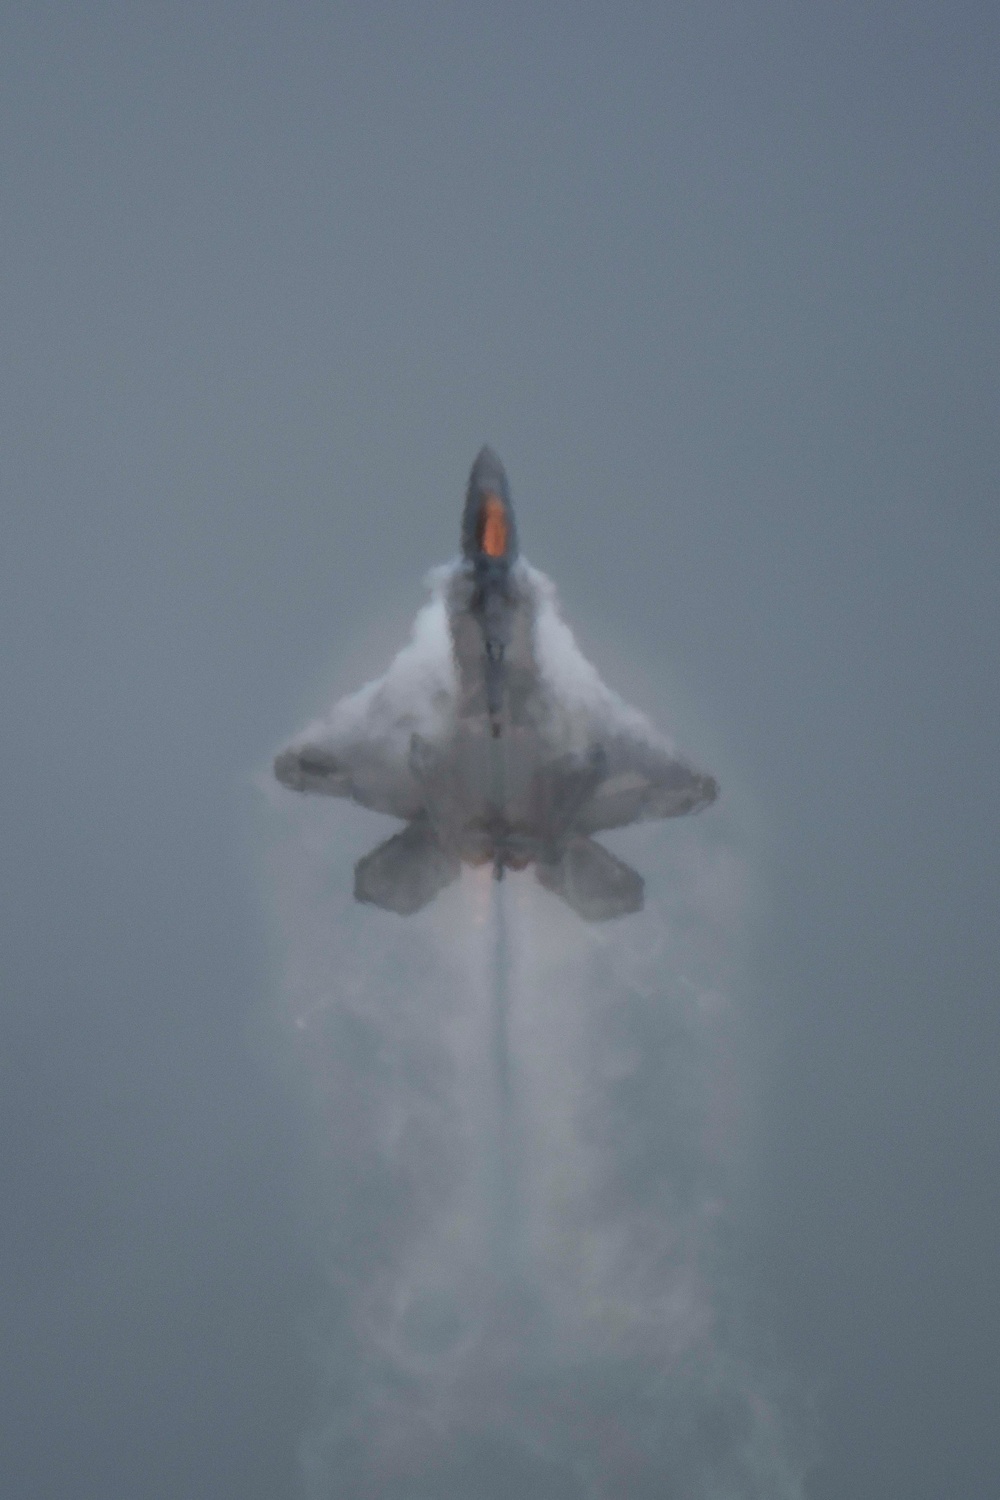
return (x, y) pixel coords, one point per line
(406, 872)
(593, 882)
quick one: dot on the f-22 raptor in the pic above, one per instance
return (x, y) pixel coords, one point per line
(494, 739)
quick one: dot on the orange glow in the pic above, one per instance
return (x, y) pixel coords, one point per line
(493, 527)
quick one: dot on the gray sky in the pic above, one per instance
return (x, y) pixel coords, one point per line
(719, 282)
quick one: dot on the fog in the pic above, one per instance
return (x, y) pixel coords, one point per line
(719, 284)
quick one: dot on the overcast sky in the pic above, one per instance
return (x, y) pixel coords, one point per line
(719, 282)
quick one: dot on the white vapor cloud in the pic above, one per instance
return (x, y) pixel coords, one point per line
(529, 1137)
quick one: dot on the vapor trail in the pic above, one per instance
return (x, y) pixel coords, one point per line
(527, 1093)
(505, 1231)
(526, 1132)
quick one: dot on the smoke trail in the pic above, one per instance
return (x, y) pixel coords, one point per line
(528, 1135)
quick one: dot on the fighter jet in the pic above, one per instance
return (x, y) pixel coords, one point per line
(494, 739)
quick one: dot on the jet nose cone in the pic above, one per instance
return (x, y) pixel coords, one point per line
(488, 475)
(488, 529)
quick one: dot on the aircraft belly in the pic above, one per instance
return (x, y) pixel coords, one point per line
(511, 622)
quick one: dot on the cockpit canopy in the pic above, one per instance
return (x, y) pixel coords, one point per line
(488, 527)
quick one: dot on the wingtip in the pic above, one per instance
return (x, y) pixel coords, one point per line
(286, 770)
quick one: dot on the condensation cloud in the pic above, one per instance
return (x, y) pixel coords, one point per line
(530, 1134)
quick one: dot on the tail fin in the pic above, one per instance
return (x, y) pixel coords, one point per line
(593, 882)
(406, 872)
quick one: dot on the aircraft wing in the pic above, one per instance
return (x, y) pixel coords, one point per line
(362, 770)
(361, 749)
(644, 780)
(641, 775)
